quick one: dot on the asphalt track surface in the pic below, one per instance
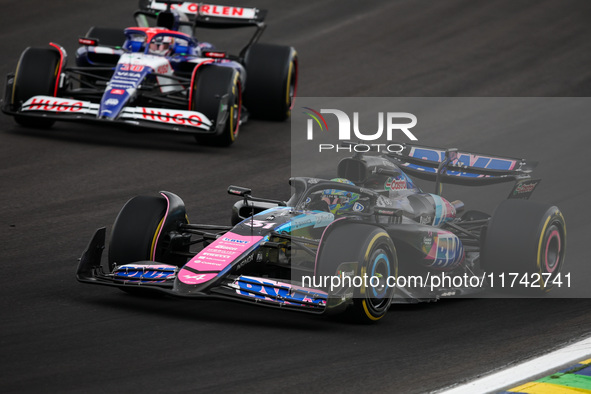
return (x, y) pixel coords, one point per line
(59, 185)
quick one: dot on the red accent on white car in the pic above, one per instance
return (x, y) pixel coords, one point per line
(215, 54)
(208, 9)
(75, 107)
(87, 41)
(52, 104)
(170, 116)
(193, 80)
(227, 11)
(131, 67)
(63, 55)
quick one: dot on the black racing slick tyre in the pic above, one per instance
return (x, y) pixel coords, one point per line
(271, 81)
(135, 232)
(526, 238)
(375, 254)
(36, 74)
(217, 93)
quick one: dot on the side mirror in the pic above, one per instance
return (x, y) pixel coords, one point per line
(388, 172)
(93, 42)
(239, 191)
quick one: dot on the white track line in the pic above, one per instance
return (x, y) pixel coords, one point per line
(539, 366)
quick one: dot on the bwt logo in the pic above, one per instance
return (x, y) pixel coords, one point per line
(348, 131)
(345, 124)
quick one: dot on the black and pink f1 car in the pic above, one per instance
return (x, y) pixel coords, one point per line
(158, 76)
(371, 223)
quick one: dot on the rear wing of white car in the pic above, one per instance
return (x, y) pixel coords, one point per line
(186, 16)
(204, 15)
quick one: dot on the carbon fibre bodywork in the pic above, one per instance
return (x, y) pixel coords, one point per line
(276, 253)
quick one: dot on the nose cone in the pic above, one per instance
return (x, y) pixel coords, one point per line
(112, 103)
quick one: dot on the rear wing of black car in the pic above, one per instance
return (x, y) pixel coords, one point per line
(463, 168)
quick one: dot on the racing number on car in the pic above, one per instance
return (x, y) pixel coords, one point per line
(131, 67)
(260, 223)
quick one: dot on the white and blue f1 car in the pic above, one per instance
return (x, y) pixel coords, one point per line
(158, 76)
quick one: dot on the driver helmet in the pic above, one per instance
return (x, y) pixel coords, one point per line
(340, 201)
(161, 45)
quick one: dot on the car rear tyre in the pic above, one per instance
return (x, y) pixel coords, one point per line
(272, 75)
(36, 74)
(527, 238)
(217, 93)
